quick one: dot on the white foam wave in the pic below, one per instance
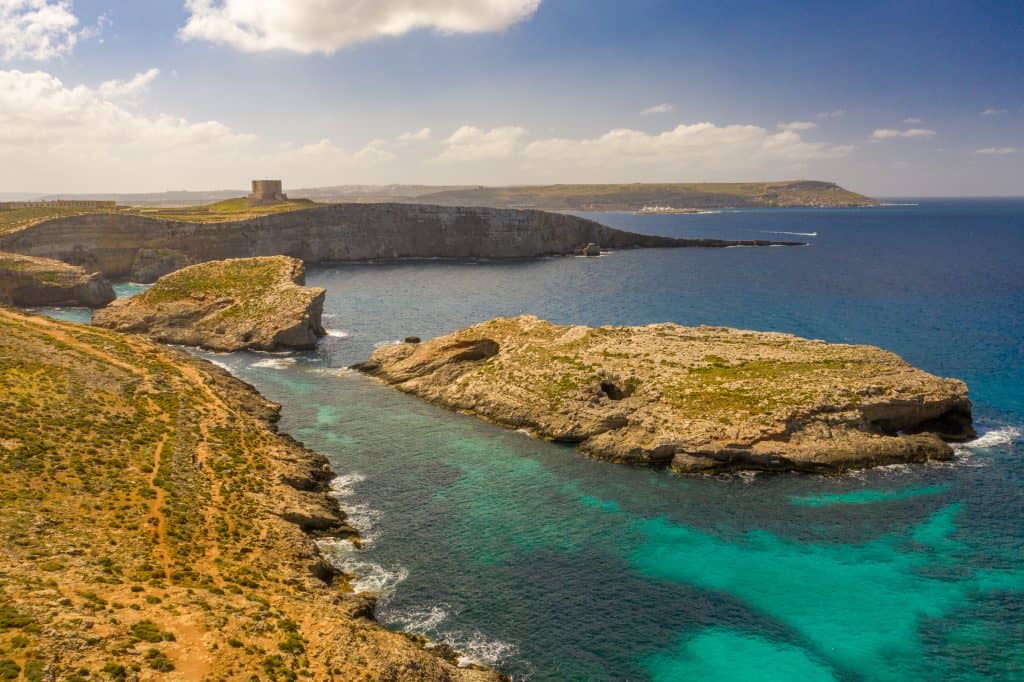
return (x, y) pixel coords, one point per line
(420, 621)
(222, 365)
(369, 577)
(995, 438)
(341, 486)
(796, 234)
(525, 432)
(477, 649)
(337, 333)
(335, 371)
(381, 344)
(274, 363)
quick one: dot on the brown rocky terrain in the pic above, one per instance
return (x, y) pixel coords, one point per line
(246, 303)
(26, 281)
(153, 525)
(122, 245)
(704, 399)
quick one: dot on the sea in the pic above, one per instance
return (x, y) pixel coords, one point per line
(526, 556)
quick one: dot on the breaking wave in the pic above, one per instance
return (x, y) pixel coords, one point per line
(796, 234)
(274, 363)
(1007, 435)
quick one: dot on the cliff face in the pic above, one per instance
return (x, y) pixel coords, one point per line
(152, 520)
(230, 305)
(335, 233)
(28, 282)
(702, 399)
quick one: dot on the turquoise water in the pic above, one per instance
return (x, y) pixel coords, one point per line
(524, 555)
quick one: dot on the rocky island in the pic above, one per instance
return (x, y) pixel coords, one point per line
(229, 305)
(26, 282)
(156, 526)
(700, 400)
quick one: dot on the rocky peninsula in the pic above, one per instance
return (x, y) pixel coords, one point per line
(121, 244)
(26, 281)
(156, 526)
(229, 305)
(700, 400)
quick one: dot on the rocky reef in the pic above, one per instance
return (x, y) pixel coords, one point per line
(229, 305)
(155, 525)
(27, 282)
(700, 400)
(122, 244)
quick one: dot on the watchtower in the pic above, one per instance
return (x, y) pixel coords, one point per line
(266, 192)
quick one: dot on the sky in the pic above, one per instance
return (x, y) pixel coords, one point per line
(889, 98)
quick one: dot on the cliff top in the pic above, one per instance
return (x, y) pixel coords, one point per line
(152, 520)
(700, 399)
(258, 303)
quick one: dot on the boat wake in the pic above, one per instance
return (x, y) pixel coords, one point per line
(797, 234)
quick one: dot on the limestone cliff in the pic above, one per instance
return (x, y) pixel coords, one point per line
(703, 399)
(153, 525)
(246, 303)
(114, 243)
(27, 282)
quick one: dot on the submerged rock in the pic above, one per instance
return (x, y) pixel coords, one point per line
(27, 281)
(247, 303)
(704, 399)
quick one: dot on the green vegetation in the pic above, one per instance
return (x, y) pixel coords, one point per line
(224, 211)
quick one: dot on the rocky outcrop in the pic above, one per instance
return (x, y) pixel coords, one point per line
(249, 303)
(704, 399)
(152, 264)
(111, 243)
(28, 282)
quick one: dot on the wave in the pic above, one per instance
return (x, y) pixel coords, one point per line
(478, 649)
(337, 333)
(420, 621)
(369, 576)
(274, 363)
(363, 516)
(797, 234)
(994, 438)
(381, 344)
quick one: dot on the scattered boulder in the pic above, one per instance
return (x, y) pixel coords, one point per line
(27, 281)
(412, 339)
(704, 399)
(245, 303)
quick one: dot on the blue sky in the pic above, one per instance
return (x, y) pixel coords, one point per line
(889, 98)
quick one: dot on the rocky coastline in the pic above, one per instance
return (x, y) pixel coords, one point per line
(698, 400)
(120, 245)
(225, 306)
(196, 551)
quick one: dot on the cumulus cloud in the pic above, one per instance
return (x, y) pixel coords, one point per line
(470, 143)
(838, 113)
(375, 151)
(697, 146)
(657, 109)
(997, 151)
(325, 26)
(912, 120)
(37, 29)
(129, 88)
(798, 125)
(421, 135)
(994, 112)
(887, 133)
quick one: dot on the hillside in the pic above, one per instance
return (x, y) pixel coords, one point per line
(153, 522)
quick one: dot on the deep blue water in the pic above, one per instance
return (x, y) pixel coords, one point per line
(554, 567)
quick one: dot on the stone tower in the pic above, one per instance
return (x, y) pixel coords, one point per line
(267, 192)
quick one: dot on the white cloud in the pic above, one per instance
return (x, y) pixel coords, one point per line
(994, 112)
(695, 148)
(912, 120)
(470, 143)
(997, 151)
(657, 109)
(325, 26)
(887, 133)
(838, 113)
(36, 29)
(421, 135)
(130, 88)
(375, 151)
(798, 125)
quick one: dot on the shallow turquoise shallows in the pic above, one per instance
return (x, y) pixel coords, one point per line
(524, 555)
